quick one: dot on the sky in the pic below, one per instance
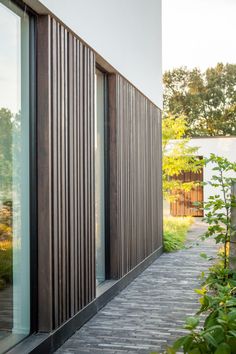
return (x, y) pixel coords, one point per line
(198, 33)
(9, 60)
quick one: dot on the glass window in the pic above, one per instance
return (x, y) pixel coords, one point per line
(100, 176)
(14, 175)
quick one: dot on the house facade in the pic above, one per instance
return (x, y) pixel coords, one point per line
(80, 161)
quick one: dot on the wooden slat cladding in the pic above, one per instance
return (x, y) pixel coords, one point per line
(66, 70)
(184, 203)
(66, 219)
(135, 176)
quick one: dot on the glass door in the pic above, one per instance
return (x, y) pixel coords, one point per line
(14, 175)
(100, 175)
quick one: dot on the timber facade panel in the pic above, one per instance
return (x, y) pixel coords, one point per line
(135, 176)
(66, 175)
(70, 267)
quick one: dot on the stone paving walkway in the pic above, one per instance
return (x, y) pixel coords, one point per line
(150, 312)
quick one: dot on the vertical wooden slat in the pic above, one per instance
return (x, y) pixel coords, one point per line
(75, 147)
(89, 174)
(72, 173)
(82, 176)
(184, 204)
(86, 231)
(54, 169)
(66, 70)
(57, 136)
(135, 176)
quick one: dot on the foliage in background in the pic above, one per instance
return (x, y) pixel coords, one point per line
(5, 244)
(218, 294)
(178, 156)
(6, 127)
(9, 150)
(175, 231)
(207, 100)
(10, 153)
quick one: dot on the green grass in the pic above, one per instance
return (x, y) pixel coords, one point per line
(175, 232)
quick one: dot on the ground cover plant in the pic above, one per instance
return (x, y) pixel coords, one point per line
(213, 329)
(175, 232)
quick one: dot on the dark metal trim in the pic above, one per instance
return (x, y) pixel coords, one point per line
(100, 68)
(22, 5)
(107, 180)
(33, 180)
(106, 172)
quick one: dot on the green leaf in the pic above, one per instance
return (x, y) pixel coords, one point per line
(201, 291)
(170, 351)
(187, 344)
(210, 339)
(180, 342)
(232, 316)
(203, 255)
(232, 343)
(223, 348)
(191, 323)
(195, 351)
(211, 320)
(232, 333)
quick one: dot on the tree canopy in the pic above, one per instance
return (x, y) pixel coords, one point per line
(9, 147)
(178, 156)
(207, 99)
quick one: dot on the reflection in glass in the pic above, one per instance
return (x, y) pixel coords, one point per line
(100, 178)
(14, 175)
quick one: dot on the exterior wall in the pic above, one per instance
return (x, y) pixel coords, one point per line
(135, 179)
(224, 147)
(66, 70)
(126, 33)
(66, 215)
(63, 118)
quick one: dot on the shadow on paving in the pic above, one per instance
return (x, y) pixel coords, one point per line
(150, 312)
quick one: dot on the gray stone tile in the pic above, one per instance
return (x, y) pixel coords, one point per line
(150, 312)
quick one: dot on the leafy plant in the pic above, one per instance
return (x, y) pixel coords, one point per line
(218, 207)
(175, 231)
(217, 335)
(178, 156)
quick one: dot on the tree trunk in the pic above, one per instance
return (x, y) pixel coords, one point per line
(232, 249)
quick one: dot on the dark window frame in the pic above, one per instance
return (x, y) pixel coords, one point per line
(106, 172)
(33, 177)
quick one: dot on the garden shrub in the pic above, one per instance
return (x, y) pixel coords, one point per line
(217, 335)
(175, 232)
